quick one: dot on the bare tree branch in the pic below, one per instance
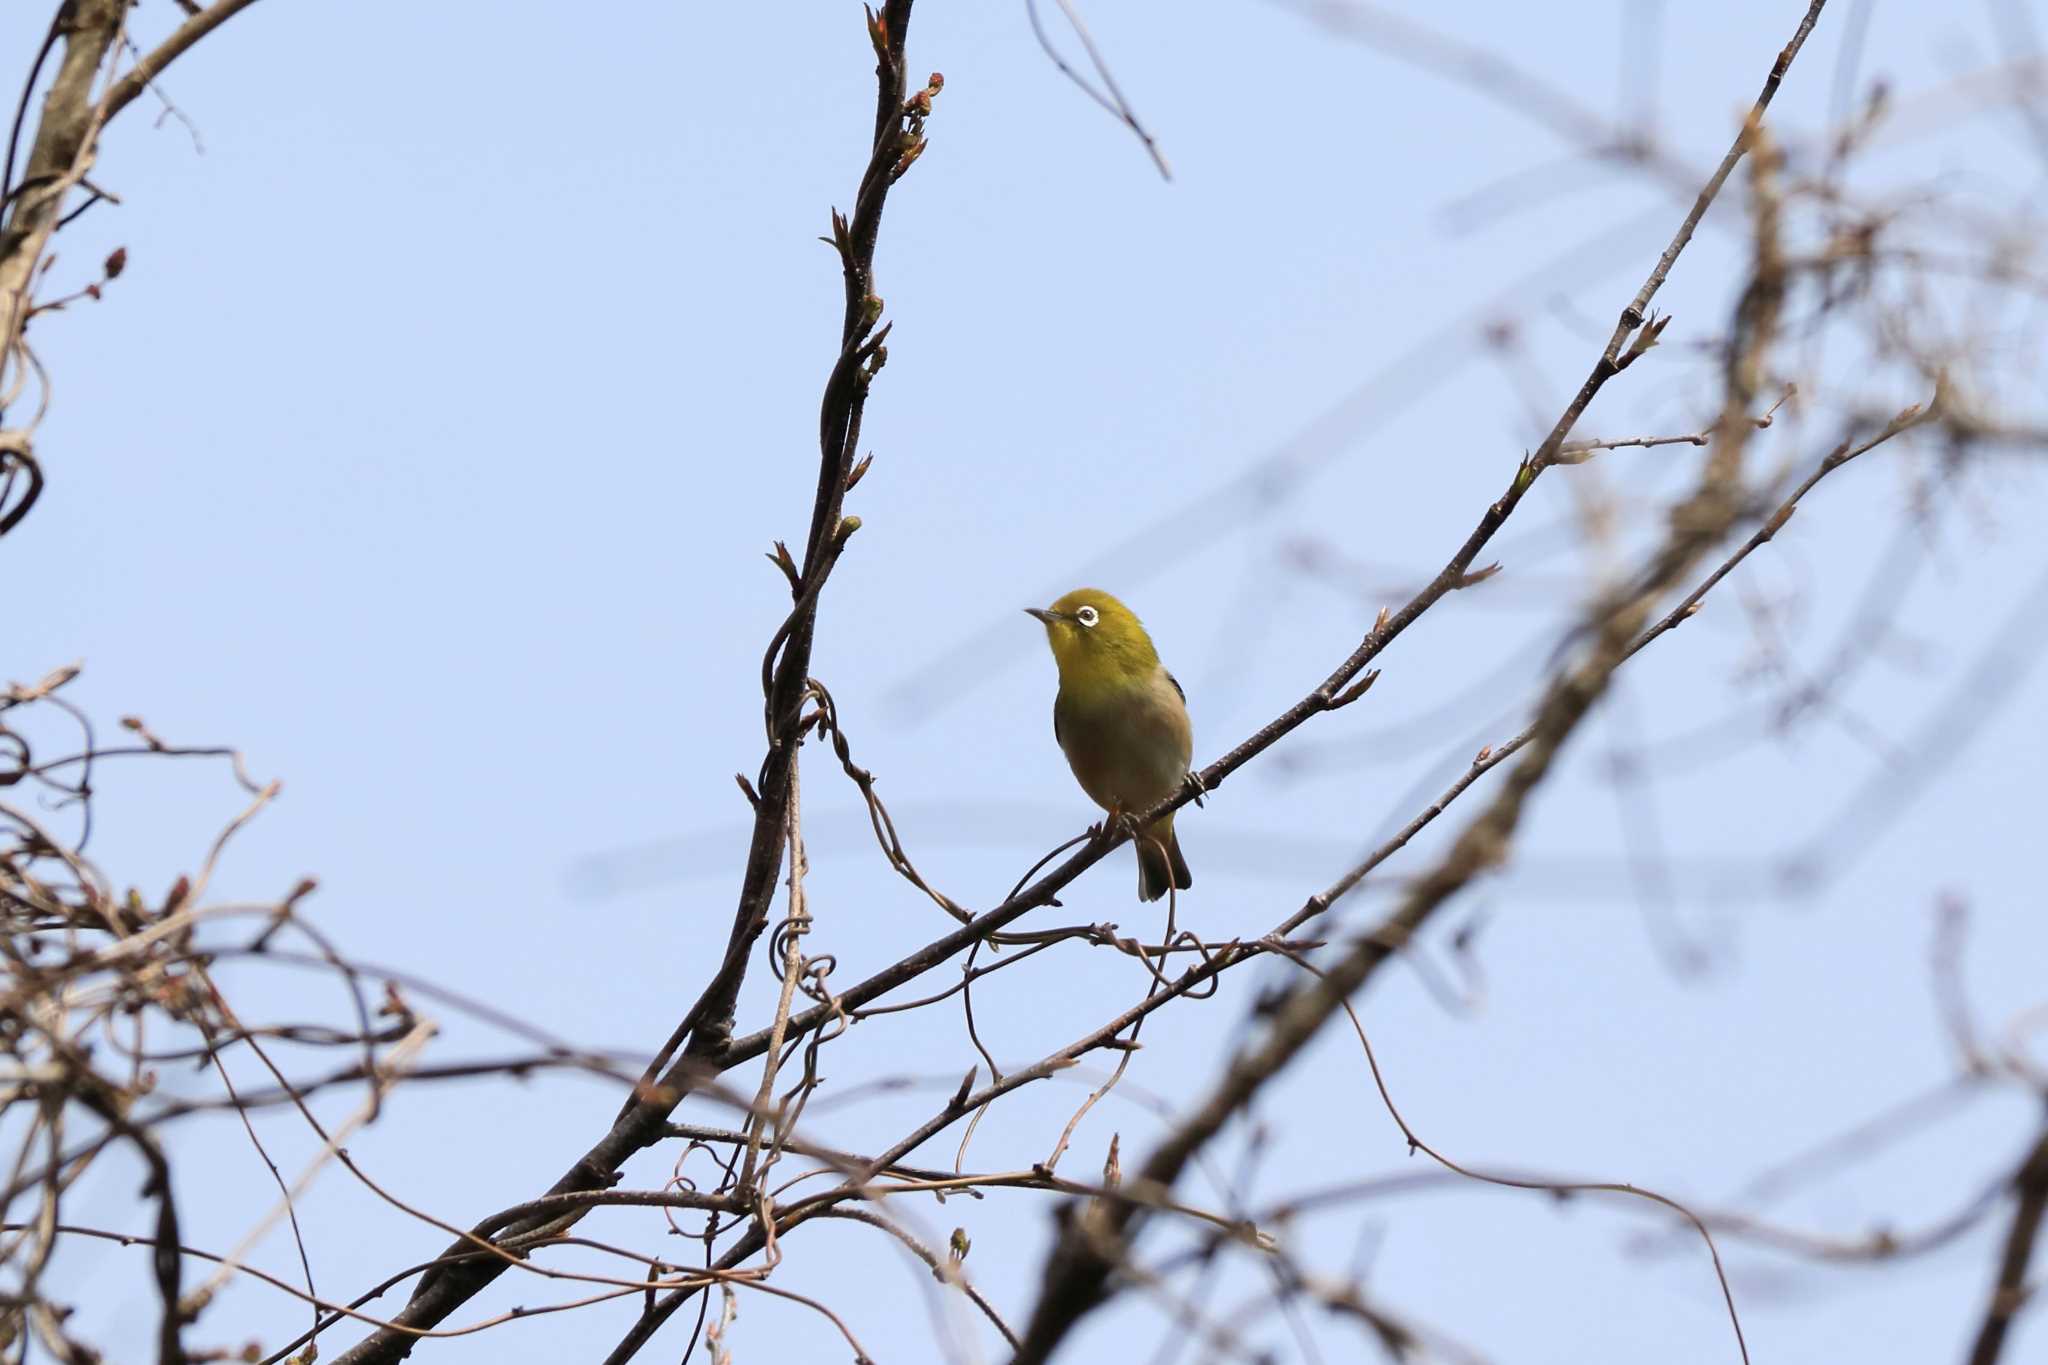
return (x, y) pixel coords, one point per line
(2011, 1291)
(705, 1029)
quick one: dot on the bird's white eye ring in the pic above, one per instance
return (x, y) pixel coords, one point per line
(1087, 616)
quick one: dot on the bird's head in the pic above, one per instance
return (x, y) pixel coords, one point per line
(1095, 637)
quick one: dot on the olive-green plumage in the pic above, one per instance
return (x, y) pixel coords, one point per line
(1122, 721)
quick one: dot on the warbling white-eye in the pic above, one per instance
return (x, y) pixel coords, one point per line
(1122, 721)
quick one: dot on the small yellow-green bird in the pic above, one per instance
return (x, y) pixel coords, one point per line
(1122, 721)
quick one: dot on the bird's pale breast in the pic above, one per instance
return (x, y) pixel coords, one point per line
(1129, 747)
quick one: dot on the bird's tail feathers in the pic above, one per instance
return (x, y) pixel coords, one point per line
(1159, 862)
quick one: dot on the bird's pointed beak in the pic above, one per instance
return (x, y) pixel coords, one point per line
(1042, 614)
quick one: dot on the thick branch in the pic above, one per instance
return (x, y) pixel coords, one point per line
(2011, 1292)
(64, 136)
(62, 153)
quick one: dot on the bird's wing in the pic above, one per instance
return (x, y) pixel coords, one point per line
(1058, 738)
(1176, 686)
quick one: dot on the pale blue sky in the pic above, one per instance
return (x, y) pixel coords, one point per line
(428, 447)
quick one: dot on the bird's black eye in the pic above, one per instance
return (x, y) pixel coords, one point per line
(1087, 616)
